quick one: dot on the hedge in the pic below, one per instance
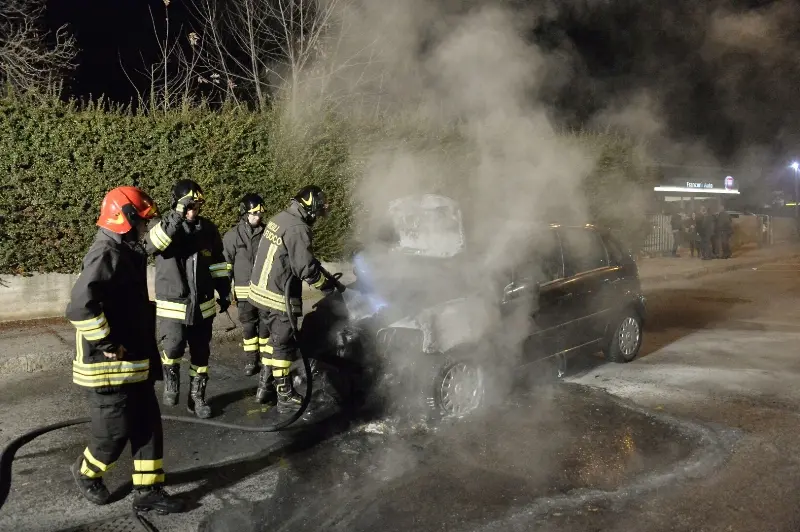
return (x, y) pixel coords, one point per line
(59, 160)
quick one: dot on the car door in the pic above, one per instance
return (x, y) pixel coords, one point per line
(622, 280)
(533, 298)
(589, 285)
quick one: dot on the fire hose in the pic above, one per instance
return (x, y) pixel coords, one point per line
(10, 450)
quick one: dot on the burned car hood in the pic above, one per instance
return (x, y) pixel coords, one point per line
(424, 280)
(422, 263)
(428, 225)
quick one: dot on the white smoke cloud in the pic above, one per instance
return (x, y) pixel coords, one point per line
(456, 91)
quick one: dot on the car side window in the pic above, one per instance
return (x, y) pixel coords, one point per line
(583, 251)
(543, 263)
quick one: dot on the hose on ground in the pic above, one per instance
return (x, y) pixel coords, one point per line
(9, 452)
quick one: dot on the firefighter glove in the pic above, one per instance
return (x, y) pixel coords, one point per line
(184, 204)
(223, 304)
(331, 285)
(117, 354)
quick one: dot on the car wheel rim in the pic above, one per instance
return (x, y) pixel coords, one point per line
(629, 336)
(461, 389)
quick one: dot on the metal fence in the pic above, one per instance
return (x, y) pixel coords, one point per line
(748, 230)
(659, 240)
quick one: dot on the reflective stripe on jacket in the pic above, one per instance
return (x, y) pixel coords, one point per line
(284, 255)
(190, 266)
(240, 245)
(110, 307)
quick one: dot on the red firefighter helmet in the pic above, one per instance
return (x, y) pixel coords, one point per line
(121, 208)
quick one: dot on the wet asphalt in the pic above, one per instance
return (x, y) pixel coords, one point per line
(465, 474)
(700, 433)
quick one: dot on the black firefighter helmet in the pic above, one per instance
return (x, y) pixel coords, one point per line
(313, 201)
(186, 187)
(251, 204)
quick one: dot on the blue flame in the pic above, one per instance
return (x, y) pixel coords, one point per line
(366, 282)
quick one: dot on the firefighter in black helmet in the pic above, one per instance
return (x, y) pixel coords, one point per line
(240, 245)
(284, 258)
(190, 266)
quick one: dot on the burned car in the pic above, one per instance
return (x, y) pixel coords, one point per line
(434, 325)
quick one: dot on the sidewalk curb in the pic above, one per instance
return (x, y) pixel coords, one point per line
(33, 362)
(43, 361)
(711, 269)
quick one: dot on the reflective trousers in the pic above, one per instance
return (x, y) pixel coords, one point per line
(251, 329)
(129, 413)
(175, 335)
(279, 349)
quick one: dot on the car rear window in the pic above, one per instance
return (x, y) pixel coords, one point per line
(583, 251)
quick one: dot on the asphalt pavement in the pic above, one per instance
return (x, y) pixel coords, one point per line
(699, 434)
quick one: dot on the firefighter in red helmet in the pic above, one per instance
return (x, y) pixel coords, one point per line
(117, 354)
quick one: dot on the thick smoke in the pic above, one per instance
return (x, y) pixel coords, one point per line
(453, 93)
(454, 98)
(476, 77)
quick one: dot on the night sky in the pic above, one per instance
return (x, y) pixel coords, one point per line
(723, 74)
(111, 34)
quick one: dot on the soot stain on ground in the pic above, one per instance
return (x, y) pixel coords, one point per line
(469, 471)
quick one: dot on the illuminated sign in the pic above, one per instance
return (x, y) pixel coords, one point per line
(729, 183)
(690, 184)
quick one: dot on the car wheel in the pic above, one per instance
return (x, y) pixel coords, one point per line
(626, 338)
(459, 388)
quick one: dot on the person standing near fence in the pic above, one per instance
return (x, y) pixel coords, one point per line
(715, 235)
(706, 231)
(691, 234)
(725, 230)
(676, 221)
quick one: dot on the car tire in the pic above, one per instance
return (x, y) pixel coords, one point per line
(458, 388)
(626, 338)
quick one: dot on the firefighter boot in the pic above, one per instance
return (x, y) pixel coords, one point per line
(197, 397)
(93, 489)
(157, 500)
(172, 384)
(289, 400)
(265, 394)
(251, 367)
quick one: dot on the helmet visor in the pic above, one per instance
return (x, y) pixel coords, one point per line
(150, 212)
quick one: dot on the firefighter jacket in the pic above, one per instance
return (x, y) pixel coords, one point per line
(240, 245)
(284, 255)
(189, 266)
(110, 307)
